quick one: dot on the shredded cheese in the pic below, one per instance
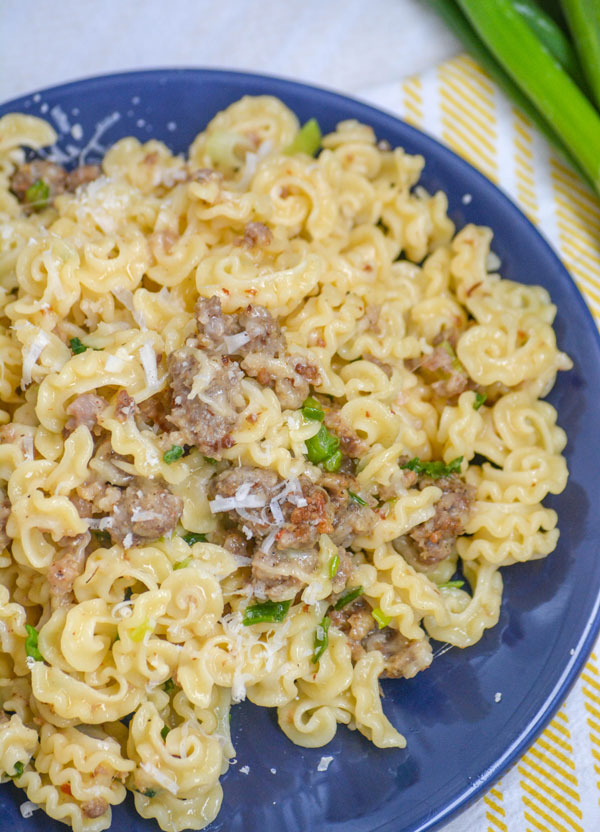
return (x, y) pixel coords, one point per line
(148, 359)
(234, 342)
(324, 763)
(28, 808)
(31, 355)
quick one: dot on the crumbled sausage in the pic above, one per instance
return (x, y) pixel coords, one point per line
(85, 410)
(402, 658)
(350, 442)
(145, 510)
(237, 544)
(207, 419)
(435, 539)
(154, 411)
(304, 509)
(82, 176)
(344, 571)
(348, 516)
(4, 513)
(95, 807)
(213, 324)
(64, 570)
(257, 234)
(263, 352)
(124, 407)
(54, 176)
(280, 575)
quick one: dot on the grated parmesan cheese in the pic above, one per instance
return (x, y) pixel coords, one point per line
(220, 504)
(497, 697)
(30, 357)
(128, 541)
(234, 342)
(28, 808)
(148, 359)
(245, 770)
(161, 778)
(324, 763)
(113, 364)
(122, 609)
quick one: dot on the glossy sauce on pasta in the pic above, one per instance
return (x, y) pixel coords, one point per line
(153, 466)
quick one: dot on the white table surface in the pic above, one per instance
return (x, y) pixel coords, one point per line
(349, 45)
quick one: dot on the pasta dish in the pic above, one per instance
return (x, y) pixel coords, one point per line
(268, 427)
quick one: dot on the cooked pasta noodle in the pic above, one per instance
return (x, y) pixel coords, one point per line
(268, 426)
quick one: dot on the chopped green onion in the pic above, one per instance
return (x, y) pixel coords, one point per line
(268, 611)
(194, 537)
(169, 686)
(138, 633)
(311, 409)
(435, 468)
(321, 638)
(77, 346)
(38, 194)
(31, 644)
(357, 498)
(456, 365)
(557, 97)
(451, 584)
(321, 446)
(102, 538)
(381, 618)
(174, 453)
(583, 19)
(479, 400)
(463, 30)
(19, 766)
(552, 36)
(211, 461)
(164, 731)
(149, 793)
(183, 563)
(307, 139)
(334, 565)
(348, 598)
(333, 462)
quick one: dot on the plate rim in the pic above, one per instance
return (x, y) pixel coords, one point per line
(589, 633)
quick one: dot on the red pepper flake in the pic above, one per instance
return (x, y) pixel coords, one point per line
(66, 789)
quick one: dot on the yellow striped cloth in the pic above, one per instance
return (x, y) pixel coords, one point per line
(555, 786)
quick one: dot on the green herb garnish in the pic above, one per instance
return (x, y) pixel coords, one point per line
(211, 461)
(267, 611)
(307, 139)
(321, 638)
(38, 194)
(19, 766)
(381, 618)
(169, 686)
(149, 793)
(183, 563)
(434, 468)
(194, 537)
(357, 498)
(334, 565)
(451, 584)
(31, 644)
(164, 731)
(311, 409)
(456, 365)
(77, 346)
(321, 446)
(333, 462)
(479, 400)
(348, 598)
(174, 453)
(103, 538)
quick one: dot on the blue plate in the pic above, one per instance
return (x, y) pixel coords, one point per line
(459, 739)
